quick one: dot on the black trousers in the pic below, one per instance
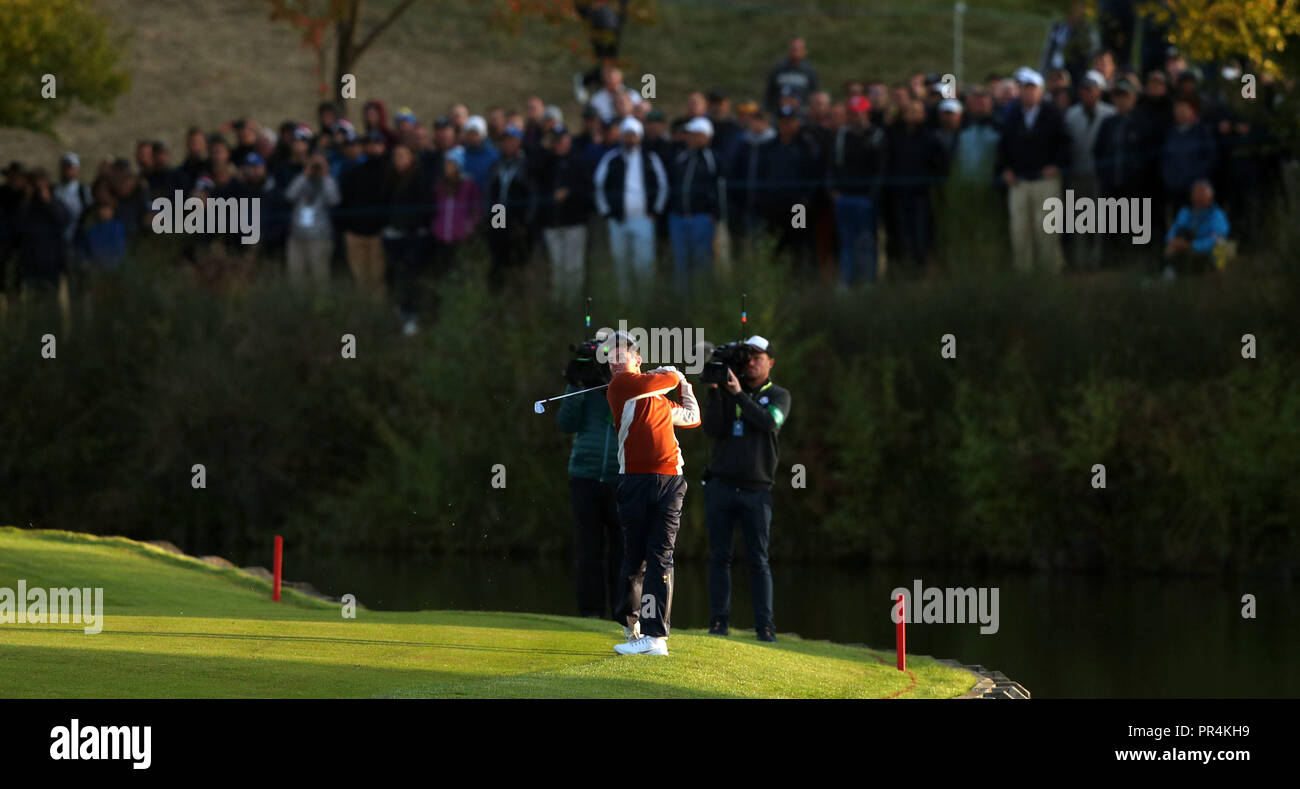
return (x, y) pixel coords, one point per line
(650, 511)
(597, 544)
(726, 506)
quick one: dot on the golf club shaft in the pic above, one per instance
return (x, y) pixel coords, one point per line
(571, 394)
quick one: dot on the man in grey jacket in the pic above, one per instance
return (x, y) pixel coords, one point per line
(1082, 122)
(311, 194)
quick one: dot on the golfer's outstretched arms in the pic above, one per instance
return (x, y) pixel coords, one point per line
(637, 385)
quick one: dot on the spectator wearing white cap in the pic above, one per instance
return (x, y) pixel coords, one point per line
(1082, 122)
(72, 193)
(480, 153)
(1032, 153)
(631, 189)
(743, 417)
(696, 202)
(948, 129)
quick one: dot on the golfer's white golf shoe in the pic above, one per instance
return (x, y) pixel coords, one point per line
(645, 645)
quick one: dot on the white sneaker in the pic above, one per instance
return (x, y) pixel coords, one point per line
(645, 645)
(409, 328)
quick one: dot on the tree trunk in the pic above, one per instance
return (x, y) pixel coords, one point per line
(345, 53)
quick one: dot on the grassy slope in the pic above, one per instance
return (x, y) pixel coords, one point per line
(213, 61)
(175, 627)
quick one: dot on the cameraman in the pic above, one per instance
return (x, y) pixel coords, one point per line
(593, 478)
(743, 418)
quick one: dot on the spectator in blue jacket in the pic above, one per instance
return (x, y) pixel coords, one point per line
(480, 153)
(102, 242)
(1199, 228)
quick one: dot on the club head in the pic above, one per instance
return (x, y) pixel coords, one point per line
(539, 407)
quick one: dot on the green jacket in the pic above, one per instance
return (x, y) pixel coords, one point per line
(595, 447)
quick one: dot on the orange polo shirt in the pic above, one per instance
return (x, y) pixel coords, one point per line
(644, 420)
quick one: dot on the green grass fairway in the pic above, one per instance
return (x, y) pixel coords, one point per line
(176, 627)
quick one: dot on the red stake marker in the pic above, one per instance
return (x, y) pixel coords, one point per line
(901, 629)
(279, 557)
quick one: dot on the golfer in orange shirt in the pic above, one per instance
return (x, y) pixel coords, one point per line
(650, 490)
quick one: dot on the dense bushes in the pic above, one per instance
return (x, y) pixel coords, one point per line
(986, 458)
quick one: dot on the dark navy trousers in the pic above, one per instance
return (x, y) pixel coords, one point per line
(650, 512)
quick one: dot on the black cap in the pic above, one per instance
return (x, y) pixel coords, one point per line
(787, 111)
(442, 122)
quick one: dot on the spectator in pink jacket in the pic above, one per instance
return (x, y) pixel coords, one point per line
(457, 208)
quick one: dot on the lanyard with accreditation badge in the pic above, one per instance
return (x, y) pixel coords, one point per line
(738, 427)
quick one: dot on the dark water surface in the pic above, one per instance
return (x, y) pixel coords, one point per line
(1060, 635)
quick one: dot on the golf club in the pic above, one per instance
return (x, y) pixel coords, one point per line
(539, 407)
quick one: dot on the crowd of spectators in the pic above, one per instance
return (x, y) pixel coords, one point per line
(839, 181)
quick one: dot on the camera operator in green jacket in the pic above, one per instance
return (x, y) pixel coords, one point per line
(593, 480)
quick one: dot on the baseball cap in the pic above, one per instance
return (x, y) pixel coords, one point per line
(514, 131)
(656, 116)
(253, 159)
(302, 132)
(788, 112)
(1096, 78)
(405, 114)
(70, 158)
(859, 104)
(476, 123)
(553, 113)
(205, 184)
(760, 343)
(950, 105)
(441, 122)
(631, 124)
(616, 339)
(456, 155)
(1027, 76)
(699, 125)
(1125, 86)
